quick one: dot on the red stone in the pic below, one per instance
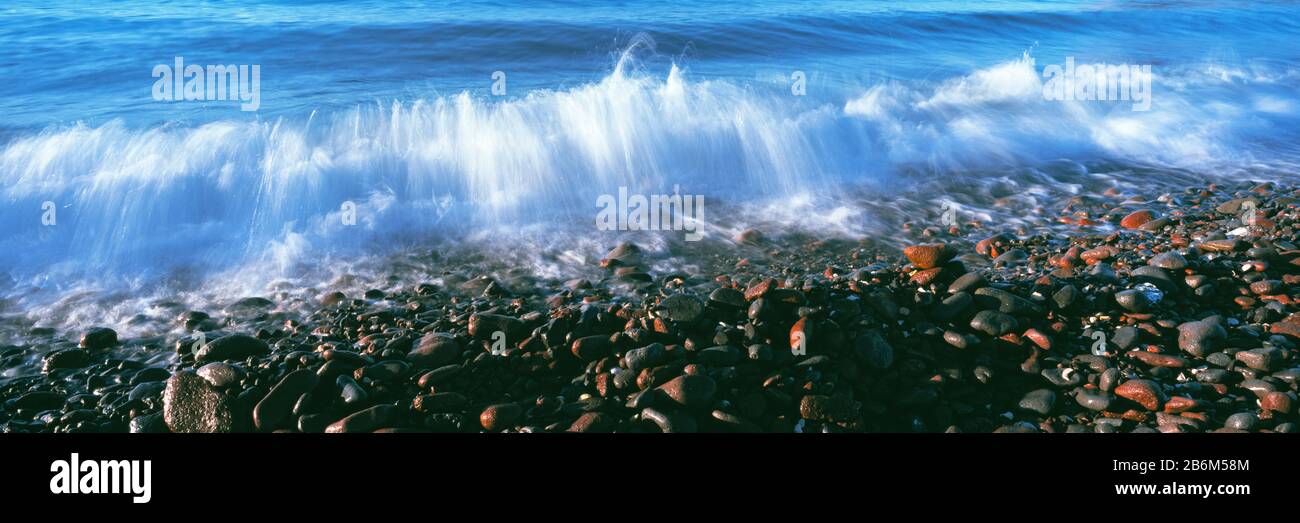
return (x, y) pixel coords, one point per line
(1136, 219)
(1279, 402)
(499, 417)
(759, 288)
(926, 276)
(1095, 255)
(992, 246)
(1159, 360)
(1179, 404)
(1143, 392)
(801, 334)
(1039, 339)
(928, 256)
(590, 422)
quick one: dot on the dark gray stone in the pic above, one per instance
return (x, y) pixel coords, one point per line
(1040, 401)
(232, 347)
(993, 323)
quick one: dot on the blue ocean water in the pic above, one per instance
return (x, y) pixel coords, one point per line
(390, 106)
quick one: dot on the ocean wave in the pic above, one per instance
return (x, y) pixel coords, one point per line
(228, 192)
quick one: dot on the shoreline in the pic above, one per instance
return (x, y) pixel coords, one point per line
(1168, 313)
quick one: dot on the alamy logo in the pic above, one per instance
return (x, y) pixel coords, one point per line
(102, 477)
(949, 214)
(241, 83)
(657, 212)
(1249, 213)
(498, 343)
(49, 213)
(1098, 82)
(498, 83)
(799, 83)
(1099, 345)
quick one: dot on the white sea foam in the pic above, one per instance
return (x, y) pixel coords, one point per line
(139, 206)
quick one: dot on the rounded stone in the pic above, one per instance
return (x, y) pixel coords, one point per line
(191, 404)
(434, 350)
(1040, 401)
(993, 323)
(1241, 421)
(692, 391)
(1143, 392)
(98, 338)
(231, 347)
(275, 408)
(500, 416)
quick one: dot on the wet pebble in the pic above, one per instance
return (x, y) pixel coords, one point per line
(434, 350)
(368, 420)
(220, 374)
(1040, 401)
(499, 417)
(98, 338)
(231, 347)
(1093, 401)
(993, 323)
(1241, 421)
(1143, 392)
(690, 391)
(1199, 338)
(66, 359)
(191, 404)
(275, 408)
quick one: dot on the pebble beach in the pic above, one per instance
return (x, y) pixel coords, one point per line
(1106, 311)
